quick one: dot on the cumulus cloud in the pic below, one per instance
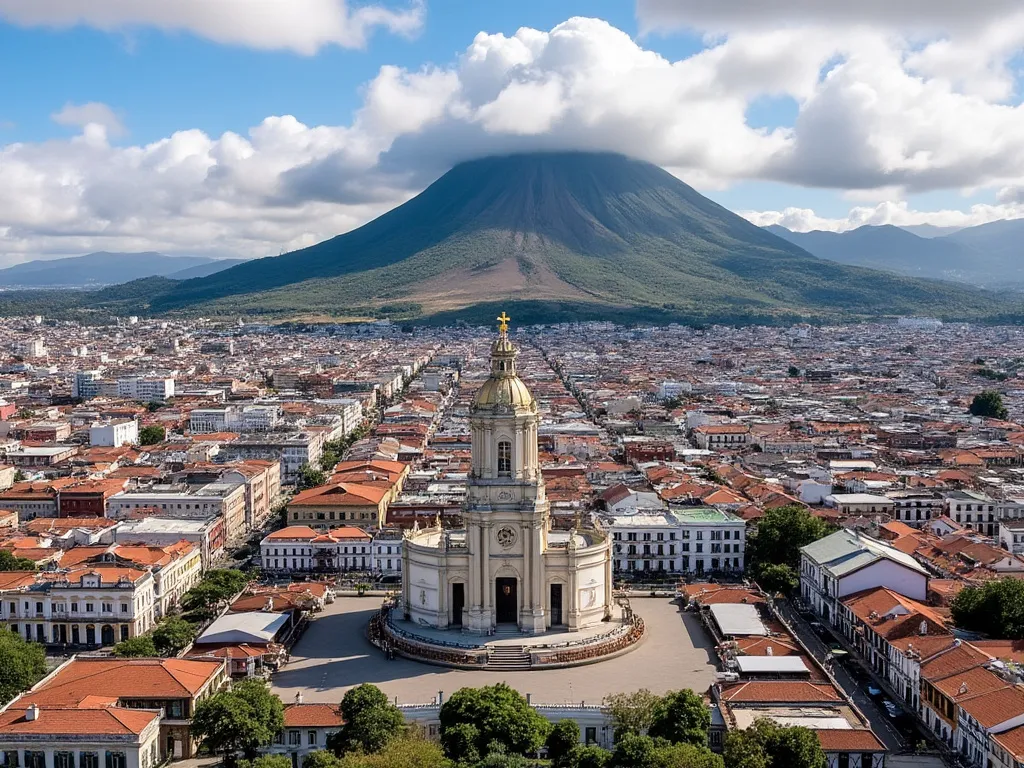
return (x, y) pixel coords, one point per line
(878, 116)
(898, 214)
(303, 26)
(92, 113)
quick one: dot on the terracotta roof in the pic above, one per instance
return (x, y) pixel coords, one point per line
(294, 532)
(971, 683)
(779, 690)
(348, 494)
(127, 678)
(312, 716)
(61, 721)
(842, 740)
(991, 709)
(1012, 741)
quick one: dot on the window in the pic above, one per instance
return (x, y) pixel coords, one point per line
(63, 760)
(11, 758)
(504, 458)
(88, 607)
(116, 760)
(311, 737)
(295, 738)
(590, 734)
(35, 759)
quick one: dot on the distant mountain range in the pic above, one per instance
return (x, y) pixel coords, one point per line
(104, 268)
(559, 236)
(989, 255)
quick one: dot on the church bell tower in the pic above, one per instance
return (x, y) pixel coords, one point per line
(506, 512)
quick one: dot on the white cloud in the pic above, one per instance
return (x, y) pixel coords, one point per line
(878, 116)
(897, 214)
(92, 113)
(303, 26)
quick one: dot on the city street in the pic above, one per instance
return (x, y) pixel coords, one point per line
(883, 726)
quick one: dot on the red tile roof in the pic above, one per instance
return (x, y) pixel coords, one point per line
(61, 721)
(312, 716)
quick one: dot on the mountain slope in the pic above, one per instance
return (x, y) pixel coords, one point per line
(582, 229)
(203, 270)
(1003, 240)
(894, 249)
(101, 268)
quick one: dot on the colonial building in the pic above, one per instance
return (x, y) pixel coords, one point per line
(506, 566)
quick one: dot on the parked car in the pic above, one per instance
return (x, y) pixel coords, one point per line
(891, 709)
(873, 690)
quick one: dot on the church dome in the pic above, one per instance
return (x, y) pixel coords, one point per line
(504, 387)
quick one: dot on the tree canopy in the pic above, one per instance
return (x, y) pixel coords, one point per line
(9, 562)
(172, 635)
(562, 739)
(499, 714)
(152, 434)
(310, 477)
(681, 717)
(399, 753)
(371, 721)
(777, 577)
(766, 744)
(779, 536)
(988, 404)
(135, 646)
(243, 718)
(22, 664)
(267, 761)
(996, 609)
(631, 712)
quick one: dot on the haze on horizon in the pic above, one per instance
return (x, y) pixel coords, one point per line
(187, 129)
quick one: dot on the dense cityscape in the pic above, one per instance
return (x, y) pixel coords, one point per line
(822, 525)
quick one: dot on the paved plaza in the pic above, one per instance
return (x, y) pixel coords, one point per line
(335, 655)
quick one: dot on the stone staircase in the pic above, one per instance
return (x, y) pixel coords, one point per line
(507, 658)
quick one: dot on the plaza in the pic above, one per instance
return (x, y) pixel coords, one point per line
(335, 655)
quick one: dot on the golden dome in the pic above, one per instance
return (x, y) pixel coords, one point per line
(506, 390)
(504, 387)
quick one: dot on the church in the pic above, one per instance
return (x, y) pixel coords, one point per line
(506, 568)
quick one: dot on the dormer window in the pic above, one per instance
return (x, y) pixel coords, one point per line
(504, 458)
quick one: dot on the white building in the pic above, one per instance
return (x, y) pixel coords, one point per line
(846, 562)
(973, 510)
(115, 433)
(682, 540)
(30, 348)
(507, 566)
(145, 389)
(1011, 536)
(88, 737)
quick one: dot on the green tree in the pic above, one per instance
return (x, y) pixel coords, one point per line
(632, 712)
(22, 664)
(310, 477)
(685, 756)
(172, 635)
(500, 714)
(590, 756)
(267, 761)
(681, 717)
(989, 404)
(777, 577)
(459, 743)
(152, 434)
(996, 609)
(780, 534)
(19, 476)
(371, 721)
(135, 646)
(321, 758)
(793, 372)
(766, 744)
(243, 718)
(400, 753)
(563, 738)
(9, 562)
(633, 751)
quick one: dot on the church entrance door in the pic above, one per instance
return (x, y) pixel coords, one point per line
(556, 605)
(458, 603)
(506, 603)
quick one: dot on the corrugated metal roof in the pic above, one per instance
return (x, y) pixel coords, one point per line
(738, 619)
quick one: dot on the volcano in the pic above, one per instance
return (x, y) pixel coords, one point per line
(564, 235)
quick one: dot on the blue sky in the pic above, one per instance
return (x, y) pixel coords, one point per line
(767, 116)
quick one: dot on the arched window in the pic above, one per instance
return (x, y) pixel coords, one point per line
(504, 458)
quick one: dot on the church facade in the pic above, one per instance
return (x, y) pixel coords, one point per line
(506, 566)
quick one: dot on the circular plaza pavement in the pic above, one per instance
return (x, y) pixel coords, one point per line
(334, 655)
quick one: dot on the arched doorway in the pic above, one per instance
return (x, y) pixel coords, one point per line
(75, 638)
(107, 633)
(90, 635)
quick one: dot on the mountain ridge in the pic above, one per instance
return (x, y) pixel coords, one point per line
(99, 268)
(564, 228)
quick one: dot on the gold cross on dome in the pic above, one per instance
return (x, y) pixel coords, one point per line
(503, 322)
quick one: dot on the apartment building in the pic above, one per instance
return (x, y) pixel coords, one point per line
(291, 450)
(88, 606)
(207, 534)
(115, 433)
(86, 384)
(145, 389)
(973, 510)
(225, 500)
(694, 540)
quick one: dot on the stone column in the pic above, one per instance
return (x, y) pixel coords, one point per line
(608, 597)
(485, 568)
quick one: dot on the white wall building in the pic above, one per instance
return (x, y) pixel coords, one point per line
(683, 540)
(145, 389)
(115, 433)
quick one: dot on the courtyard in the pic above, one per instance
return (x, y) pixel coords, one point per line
(334, 655)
